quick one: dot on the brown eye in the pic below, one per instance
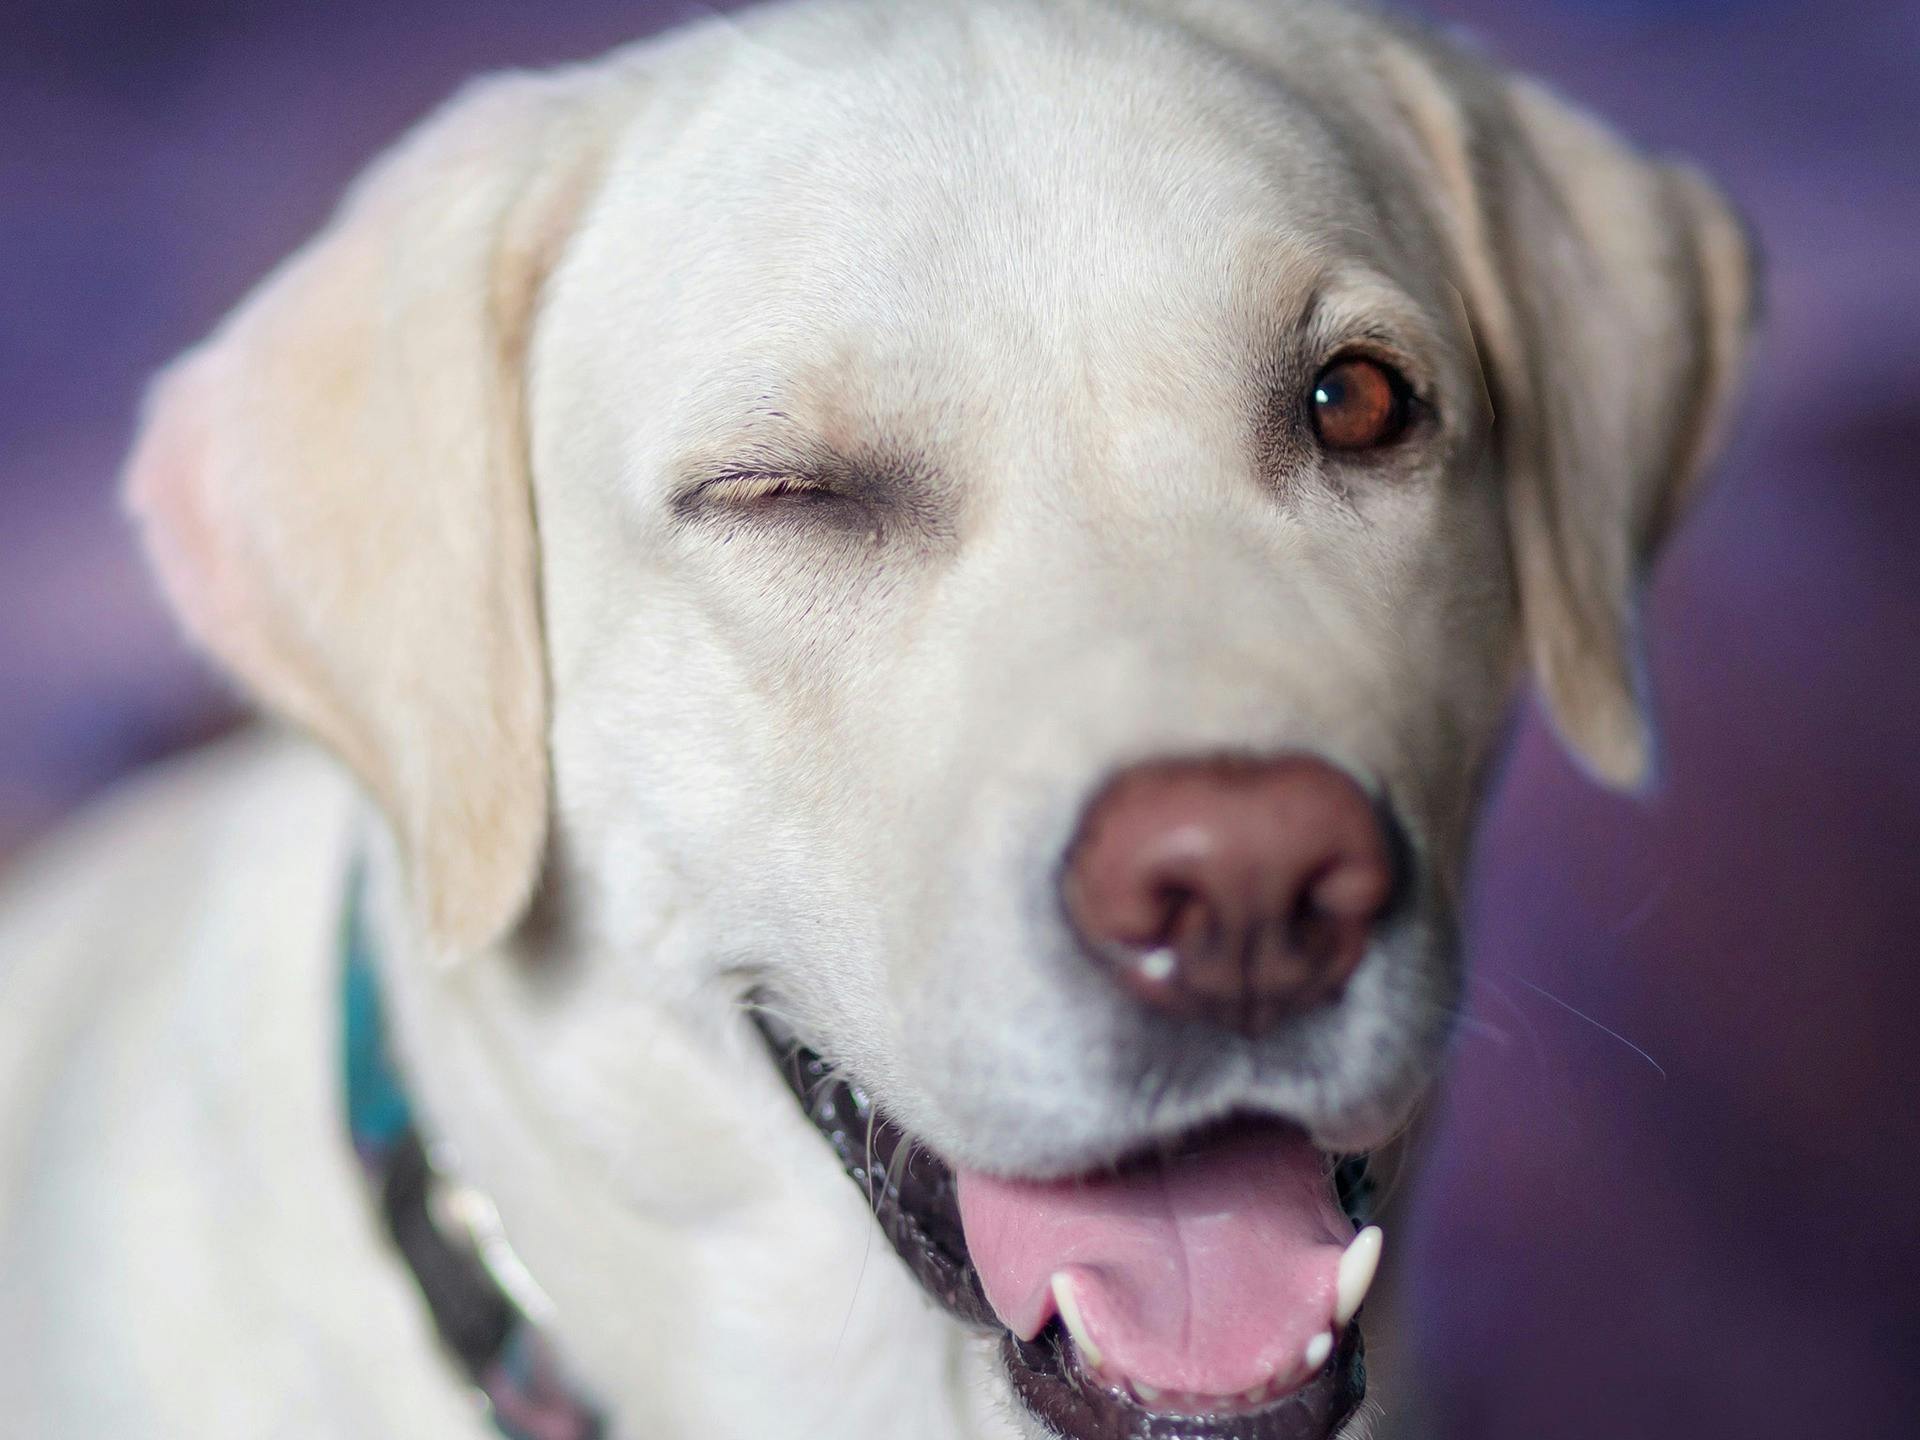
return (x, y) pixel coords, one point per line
(1359, 404)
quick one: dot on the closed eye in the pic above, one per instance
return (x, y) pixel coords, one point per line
(747, 490)
(800, 498)
(811, 488)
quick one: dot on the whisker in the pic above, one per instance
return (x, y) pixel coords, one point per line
(1365, 1419)
(903, 1152)
(846, 1322)
(1525, 1020)
(753, 1004)
(1659, 1069)
(1482, 1028)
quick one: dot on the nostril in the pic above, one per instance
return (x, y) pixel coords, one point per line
(1195, 924)
(1180, 910)
(1313, 930)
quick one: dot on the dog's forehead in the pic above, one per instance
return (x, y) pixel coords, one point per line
(985, 188)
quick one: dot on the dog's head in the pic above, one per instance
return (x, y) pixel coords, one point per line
(1002, 534)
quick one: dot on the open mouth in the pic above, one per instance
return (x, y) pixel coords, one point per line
(1204, 1292)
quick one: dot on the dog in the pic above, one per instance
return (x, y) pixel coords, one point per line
(920, 592)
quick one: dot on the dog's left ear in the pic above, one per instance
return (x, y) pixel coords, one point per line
(1611, 297)
(334, 488)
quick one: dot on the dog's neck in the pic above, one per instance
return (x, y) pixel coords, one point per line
(709, 1270)
(485, 1307)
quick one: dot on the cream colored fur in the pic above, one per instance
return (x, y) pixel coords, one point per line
(1041, 283)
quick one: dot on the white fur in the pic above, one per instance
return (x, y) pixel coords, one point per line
(1049, 264)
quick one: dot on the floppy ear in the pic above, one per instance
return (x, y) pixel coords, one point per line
(1611, 297)
(334, 489)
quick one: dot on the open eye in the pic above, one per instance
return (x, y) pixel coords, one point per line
(1359, 403)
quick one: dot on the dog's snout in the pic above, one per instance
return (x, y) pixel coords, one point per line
(1238, 891)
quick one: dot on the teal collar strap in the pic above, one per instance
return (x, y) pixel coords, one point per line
(447, 1233)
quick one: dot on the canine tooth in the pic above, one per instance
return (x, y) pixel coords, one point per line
(1256, 1394)
(1357, 1269)
(1145, 1391)
(1158, 964)
(1069, 1307)
(1318, 1349)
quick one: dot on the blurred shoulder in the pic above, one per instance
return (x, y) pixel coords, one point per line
(241, 816)
(177, 1195)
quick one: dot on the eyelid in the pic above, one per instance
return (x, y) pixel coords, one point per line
(746, 487)
(1384, 352)
(743, 487)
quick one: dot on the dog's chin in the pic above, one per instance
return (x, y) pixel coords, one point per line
(1079, 1373)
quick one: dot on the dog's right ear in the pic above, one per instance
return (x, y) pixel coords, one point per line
(334, 487)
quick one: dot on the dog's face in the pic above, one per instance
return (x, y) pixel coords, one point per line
(952, 449)
(945, 431)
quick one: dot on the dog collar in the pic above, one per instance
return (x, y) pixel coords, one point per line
(483, 1302)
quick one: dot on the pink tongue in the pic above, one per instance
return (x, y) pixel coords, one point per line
(1209, 1273)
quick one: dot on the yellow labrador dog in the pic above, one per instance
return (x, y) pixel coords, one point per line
(915, 591)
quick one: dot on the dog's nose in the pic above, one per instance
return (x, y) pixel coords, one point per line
(1238, 891)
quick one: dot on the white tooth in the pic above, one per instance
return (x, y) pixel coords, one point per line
(1069, 1307)
(1256, 1394)
(1318, 1349)
(1357, 1269)
(1145, 1391)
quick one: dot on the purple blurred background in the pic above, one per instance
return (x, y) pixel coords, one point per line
(1675, 1184)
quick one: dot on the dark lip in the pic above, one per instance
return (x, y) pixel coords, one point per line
(1054, 1388)
(912, 1194)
